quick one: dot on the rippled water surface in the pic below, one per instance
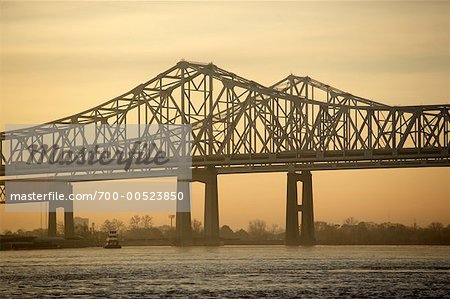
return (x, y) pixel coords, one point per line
(229, 271)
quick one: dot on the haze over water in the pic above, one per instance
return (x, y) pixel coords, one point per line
(229, 271)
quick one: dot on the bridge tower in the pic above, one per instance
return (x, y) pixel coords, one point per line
(67, 205)
(207, 176)
(68, 219)
(307, 235)
(183, 214)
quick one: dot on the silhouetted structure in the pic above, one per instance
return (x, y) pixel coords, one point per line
(239, 126)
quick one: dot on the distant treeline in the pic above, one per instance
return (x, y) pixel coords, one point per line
(351, 232)
(369, 233)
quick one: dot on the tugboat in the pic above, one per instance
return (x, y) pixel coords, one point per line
(112, 242)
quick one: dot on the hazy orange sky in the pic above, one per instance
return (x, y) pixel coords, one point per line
(60, 58)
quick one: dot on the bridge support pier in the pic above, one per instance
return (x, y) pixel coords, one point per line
(307, 236)
(208, 176)
(51, 230)
(183, 214)
(69, 230)
(292, 235)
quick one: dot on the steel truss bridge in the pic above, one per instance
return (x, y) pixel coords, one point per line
(297, 125)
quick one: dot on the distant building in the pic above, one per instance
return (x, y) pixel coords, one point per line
(81, 224)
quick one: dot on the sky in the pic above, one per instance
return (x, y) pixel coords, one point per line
(59, 58)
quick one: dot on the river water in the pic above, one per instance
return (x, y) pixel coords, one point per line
(228, 271)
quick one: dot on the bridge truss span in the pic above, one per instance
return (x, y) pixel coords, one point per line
(240, 124)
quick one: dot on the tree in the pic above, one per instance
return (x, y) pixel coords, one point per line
(226, 232)
(118, 224)
(107, 226)
(114, 224)
(134, 222)
(146, 221)
(241, 234)
(197, 227)
(257, 229)
(275, 232)
(167, 231)
(60, 228)
(436, 226)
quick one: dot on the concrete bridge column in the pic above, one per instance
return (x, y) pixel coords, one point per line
(183, 214)
(69, 230)
(68, 214)
(68, 225)
(208, 176)
(51, 229)
(292, 234)
(307, 236)
(211, 214)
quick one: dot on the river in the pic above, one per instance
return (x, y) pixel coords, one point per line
(228, 271)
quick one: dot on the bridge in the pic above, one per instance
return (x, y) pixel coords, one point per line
(297, 125)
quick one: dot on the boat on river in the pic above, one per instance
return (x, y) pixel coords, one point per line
(112, 242)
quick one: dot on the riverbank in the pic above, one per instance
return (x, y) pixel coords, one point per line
(36, 243)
